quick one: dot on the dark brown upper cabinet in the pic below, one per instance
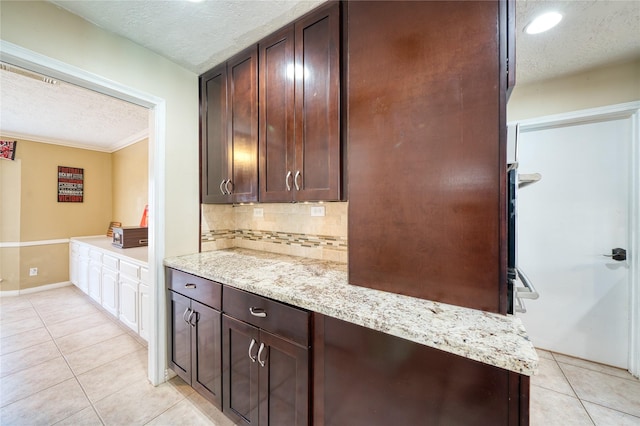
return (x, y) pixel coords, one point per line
(426, 128)
(229, 130)
(300, 150)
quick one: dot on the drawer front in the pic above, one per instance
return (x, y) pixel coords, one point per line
(197, 288)
(129, 269)
(275, 317)
(95, 255)
(83, 250)
(110, 262)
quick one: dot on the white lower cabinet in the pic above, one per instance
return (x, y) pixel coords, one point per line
(95, 276)
(118, 283)
(129, 302)
(144, 310)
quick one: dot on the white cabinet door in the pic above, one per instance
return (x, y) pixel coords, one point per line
(83, 268)
(129, 302)
(110, 291)
(145, 315)
(95, 278)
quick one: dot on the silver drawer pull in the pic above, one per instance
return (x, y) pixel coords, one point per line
(257, 312)
(286, 180)
(260, 360)
(222, 189)
(295, 180)
(190, 285)
(184, 315)
(251, 345)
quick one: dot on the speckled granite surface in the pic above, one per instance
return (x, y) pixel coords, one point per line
(322, 287)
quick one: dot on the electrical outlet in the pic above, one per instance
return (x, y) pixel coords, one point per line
(317, 211)
(258, 212)
(33, 272)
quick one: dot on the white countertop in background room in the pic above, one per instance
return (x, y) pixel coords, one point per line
(139, 254)
(322, 286)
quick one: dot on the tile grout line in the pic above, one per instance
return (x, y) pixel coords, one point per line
(75, 377)
(573, 389)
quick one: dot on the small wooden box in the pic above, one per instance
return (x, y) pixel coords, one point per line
(130, 236)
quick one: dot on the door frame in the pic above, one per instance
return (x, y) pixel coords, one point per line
(612, 112)
(28, 59)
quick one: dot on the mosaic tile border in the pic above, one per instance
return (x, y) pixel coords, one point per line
(275, 237)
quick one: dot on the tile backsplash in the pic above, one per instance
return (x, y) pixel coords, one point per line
(281, 228)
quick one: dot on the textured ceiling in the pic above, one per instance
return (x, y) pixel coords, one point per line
(198, 36)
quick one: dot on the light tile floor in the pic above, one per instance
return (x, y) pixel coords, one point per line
(65, 361)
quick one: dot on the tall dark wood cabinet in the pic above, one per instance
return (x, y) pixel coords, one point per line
(300, 150)
(426, 134)
(229, 130)
(194, 333)
(265, 361)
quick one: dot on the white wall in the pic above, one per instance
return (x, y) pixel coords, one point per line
(48, 30)
(610, 85)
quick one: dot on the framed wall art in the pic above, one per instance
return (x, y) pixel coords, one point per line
(8, 149)
(70, 184)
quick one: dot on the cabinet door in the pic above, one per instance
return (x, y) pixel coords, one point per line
(240, 342)
(129, 302)
(425, 169)
(206, 353)
(179, 336)
(144, 305)
(277, 73)
(74, 259)
(243, 124)
(317, 113)
(284, 382)
(110, 291)
(95, 275)
(215, 152)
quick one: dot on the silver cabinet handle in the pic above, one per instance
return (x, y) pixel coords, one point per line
(190, 285)
(226, 186)
(258, 312)
(295, 180)
(184, 315)
(260, 360)
(221, 189)
(195, 316)
(192, 324)
(251, 345)
(286, 180)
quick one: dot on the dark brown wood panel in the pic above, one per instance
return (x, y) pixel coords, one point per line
(276, 115)
(206, 353)
(243, 124)
(371, 378)
(424, 96)
(317, 56)
(215, 157)
(179, 336)
(284, 382)
(240, 372)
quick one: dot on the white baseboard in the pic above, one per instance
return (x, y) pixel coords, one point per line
(9, 293)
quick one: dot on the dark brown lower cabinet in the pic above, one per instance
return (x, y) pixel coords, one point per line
(365, 377)
(265, 377)
(194, 345)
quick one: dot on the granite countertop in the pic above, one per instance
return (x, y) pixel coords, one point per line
(138, 254)
(322, 287)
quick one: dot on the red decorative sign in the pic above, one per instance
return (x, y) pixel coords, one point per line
(70, 184)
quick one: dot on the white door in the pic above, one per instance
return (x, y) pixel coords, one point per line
(567, 222)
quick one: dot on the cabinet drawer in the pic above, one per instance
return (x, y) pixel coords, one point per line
(129, 269)
(197, 288)
(110, 262)
(275, 317)
(95, 255)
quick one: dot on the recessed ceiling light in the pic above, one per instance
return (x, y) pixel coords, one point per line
(195, 1)
(544, 22)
